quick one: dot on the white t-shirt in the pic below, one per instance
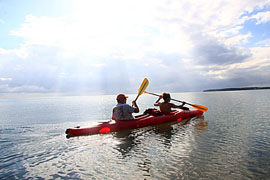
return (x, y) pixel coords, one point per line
(123, 111)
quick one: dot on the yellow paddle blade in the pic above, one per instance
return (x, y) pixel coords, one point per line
(142, 87)
(200, 107)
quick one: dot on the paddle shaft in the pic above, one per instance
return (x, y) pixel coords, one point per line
(171, 98)
(136, 97)
(199, 107)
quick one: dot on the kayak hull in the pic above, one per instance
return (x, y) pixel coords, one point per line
(141, 121)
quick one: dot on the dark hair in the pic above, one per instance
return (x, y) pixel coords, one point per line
(166, 95)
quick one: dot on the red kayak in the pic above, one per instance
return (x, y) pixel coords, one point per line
(153, 117)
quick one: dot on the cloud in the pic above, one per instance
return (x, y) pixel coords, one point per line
(42, 30)
(107, 47)
(209, 51)
(5, 79)
(253, 71)
(264, 43)
(3, 51)
(262, 17)
(237, 39)
(21, 89)
(249, 77)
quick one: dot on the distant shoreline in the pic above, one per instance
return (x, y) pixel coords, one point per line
(237, 89)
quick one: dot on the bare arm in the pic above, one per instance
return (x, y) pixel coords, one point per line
(178, 106)
(157, 102)
(136, 107)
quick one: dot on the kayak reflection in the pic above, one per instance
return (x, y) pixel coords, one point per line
(127, 140)
(138, 146)
(201, 124)
(164, 133)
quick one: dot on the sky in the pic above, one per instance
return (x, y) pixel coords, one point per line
(109, 47)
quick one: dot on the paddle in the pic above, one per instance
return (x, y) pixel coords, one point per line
(196, 106)
(142, 88)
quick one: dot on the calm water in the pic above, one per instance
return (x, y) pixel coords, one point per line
(234, 145)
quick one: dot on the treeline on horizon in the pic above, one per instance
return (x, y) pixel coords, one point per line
(237, 89)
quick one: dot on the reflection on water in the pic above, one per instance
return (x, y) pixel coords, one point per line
(148, 143)
(231, 141)
(129, 138)
(201, 125)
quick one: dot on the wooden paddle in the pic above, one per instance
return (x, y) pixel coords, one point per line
(196, 106)
(142, 88)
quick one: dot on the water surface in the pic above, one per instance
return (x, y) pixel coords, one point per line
(234, 145)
